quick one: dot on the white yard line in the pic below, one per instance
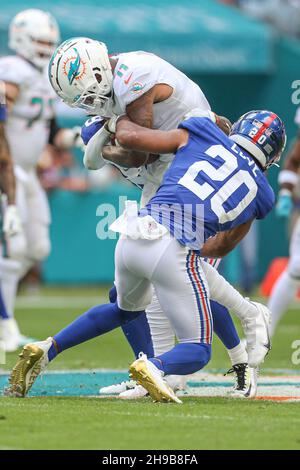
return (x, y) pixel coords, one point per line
(73, 301)
(59, 302)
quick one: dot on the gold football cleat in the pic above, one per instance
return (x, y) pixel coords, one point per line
(33, 360)
(147, 375)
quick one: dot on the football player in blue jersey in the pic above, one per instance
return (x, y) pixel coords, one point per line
(214, 189)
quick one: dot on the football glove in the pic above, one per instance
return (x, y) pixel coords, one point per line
(284, 204)
(12, 224)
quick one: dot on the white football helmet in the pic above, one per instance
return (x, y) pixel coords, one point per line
(80, 73)
(34, 34)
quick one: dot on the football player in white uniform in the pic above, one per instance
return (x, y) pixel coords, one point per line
(10, 221)
(33, 35)
(152, 93)
(288, 283)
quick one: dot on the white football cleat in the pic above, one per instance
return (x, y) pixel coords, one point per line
(135, 393)
(9, 334)
(257, 335)
(116, 389)
(245, 381)
(150, 377)
(33, 361)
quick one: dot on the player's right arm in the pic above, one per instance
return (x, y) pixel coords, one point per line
(7, 178)
(12, 223)
(224, 242)
(288, 179)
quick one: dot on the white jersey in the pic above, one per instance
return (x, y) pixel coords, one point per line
(27, 126)
(296, 190)
(135, 74)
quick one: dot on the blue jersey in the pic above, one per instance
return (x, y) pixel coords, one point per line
(212, 185)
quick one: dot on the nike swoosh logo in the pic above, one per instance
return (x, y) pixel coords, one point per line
(128, 79)
(249, 391)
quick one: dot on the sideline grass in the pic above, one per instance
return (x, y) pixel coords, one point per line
(93, 423)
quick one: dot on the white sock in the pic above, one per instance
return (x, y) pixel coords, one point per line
(224, 293)
(162, 333)
(10, 271)
(283, 293)
(238, 355)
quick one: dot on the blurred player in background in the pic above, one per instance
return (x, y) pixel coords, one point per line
(285, 289)
(155, 94)
(30, 123)
(10, 223)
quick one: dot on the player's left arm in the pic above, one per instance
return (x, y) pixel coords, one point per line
(140, 112)
(224, 242)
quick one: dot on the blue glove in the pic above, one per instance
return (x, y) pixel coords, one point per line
(284, 205)
(90, 127)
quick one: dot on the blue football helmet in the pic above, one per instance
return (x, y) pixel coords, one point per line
(262, 134)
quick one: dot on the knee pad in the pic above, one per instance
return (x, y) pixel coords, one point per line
(294, 267)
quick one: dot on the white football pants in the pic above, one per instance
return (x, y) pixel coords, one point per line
(285, 289)
(162, 333)
(33, 245)
(35, 215)
(179, 281)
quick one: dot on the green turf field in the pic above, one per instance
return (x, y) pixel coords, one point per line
(91, 423)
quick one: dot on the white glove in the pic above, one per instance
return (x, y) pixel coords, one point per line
(12, 224)
(93, 159)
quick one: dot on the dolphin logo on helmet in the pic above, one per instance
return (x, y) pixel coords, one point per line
(74, 68)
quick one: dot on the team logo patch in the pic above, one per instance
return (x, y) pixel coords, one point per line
(74, 67)
(137, 87)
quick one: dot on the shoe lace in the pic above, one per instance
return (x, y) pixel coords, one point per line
(240, 375)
